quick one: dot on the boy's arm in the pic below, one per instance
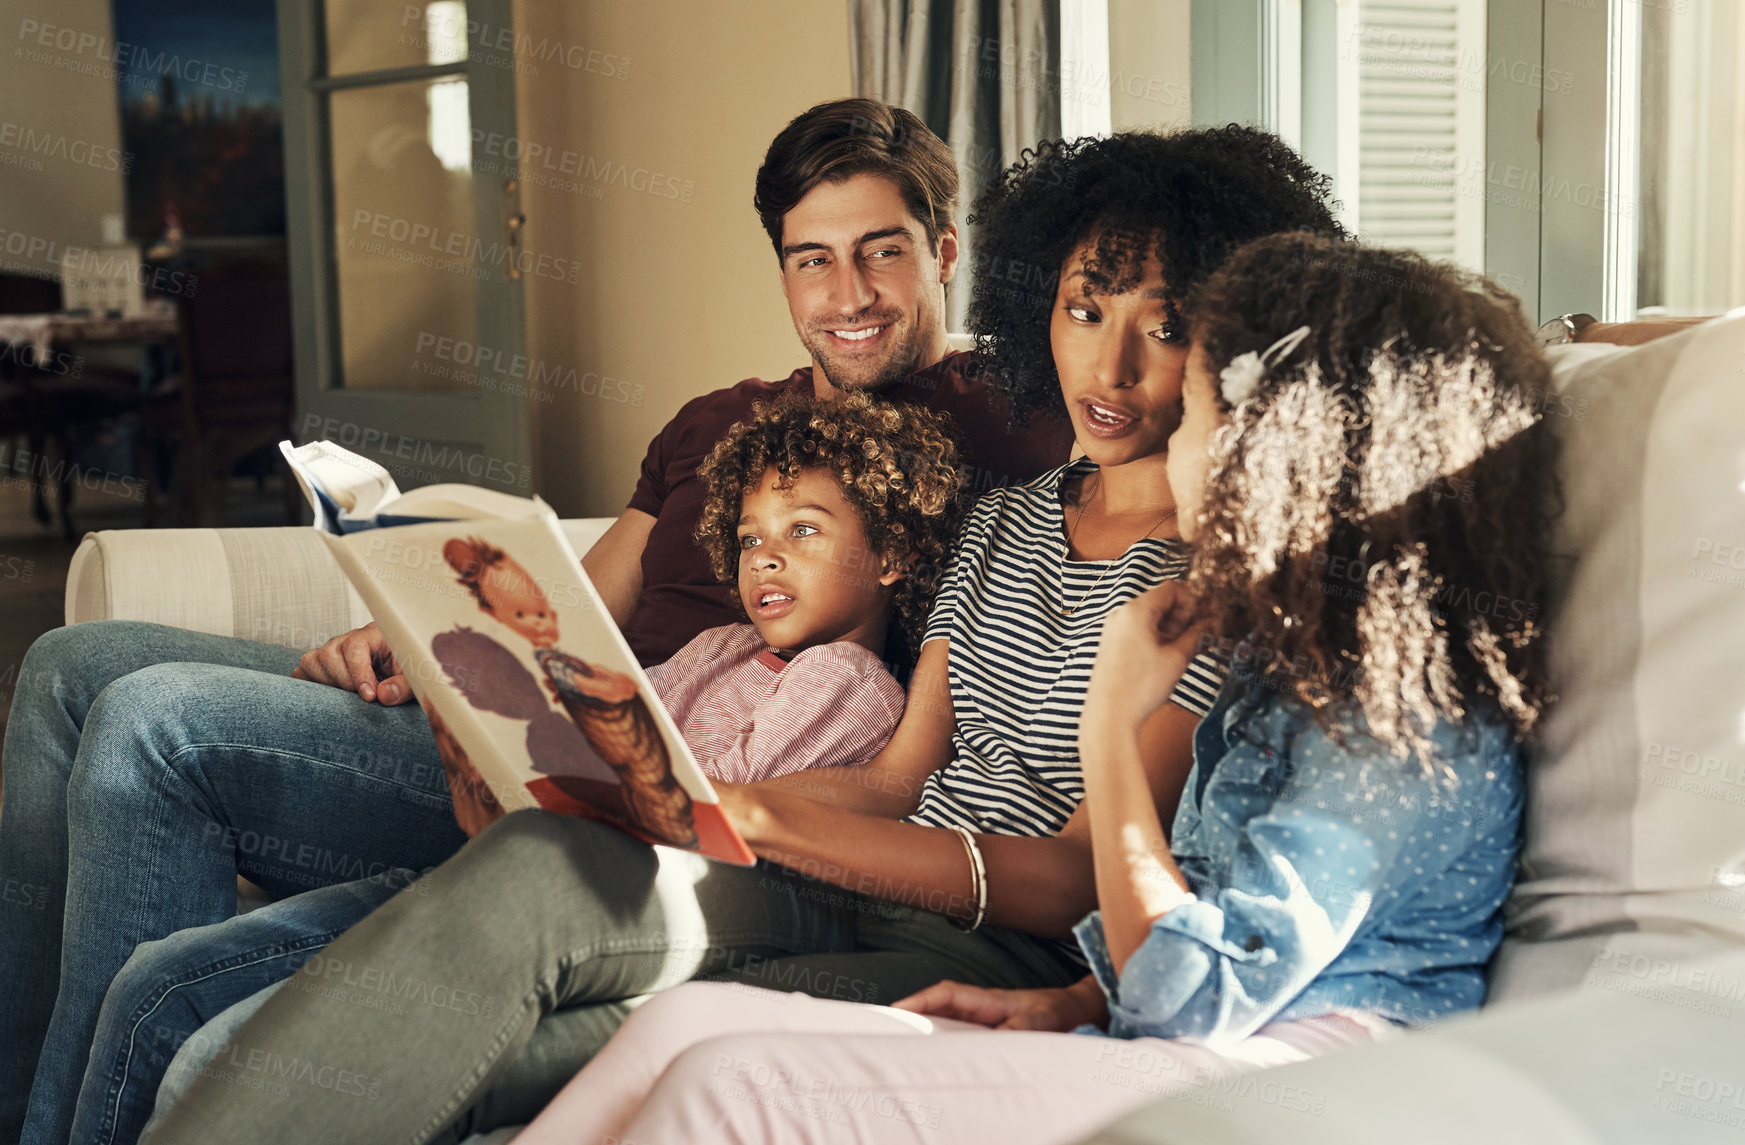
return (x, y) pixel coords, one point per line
(614, 564)
(889, 785)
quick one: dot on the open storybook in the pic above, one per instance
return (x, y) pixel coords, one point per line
(530, 686)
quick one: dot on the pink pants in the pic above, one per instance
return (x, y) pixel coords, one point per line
(725, 1063)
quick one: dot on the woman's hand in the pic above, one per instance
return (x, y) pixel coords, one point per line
(1056, 1010)
(358, 661)
(1146, 645)
(744, 806)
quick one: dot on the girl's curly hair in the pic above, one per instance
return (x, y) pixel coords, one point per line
(1376, 510)
(1191, 197)
(896, 464)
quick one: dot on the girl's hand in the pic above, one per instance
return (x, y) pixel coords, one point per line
(1057, 1010)
(1146, 645)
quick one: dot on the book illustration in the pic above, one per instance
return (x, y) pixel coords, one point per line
(493, 679)
(475, 805)
(613, 716)
(605, 708)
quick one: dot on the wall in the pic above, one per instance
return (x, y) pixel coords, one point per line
(60, 131)
(1149, 64)
(679, 292)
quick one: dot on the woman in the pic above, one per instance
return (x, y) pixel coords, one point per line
(970, 815)
(1347, 839)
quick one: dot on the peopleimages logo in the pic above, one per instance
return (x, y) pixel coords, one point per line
(52, 145)
(38, 38)
(533, 157)
(423, 244)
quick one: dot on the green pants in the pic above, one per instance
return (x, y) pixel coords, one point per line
(470, 999)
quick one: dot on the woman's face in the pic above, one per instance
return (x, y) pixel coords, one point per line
(1120, 362)
(1190, 446)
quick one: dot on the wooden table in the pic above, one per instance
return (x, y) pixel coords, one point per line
(42, 332)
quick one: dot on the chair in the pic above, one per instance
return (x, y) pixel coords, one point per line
(19, 414)
(51, 402)
(234, 391)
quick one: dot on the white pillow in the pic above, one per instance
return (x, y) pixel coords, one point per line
(1634, 859)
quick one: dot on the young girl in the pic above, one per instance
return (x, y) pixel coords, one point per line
(1349, 830)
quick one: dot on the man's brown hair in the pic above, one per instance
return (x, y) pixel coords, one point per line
(847, 137)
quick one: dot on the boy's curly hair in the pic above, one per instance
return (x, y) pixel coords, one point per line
(897, 466)
(1376, 510)
(1191, 197)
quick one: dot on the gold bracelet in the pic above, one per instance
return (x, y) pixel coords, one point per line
(978, 875)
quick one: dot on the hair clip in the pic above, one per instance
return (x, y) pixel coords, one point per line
(1241, 378)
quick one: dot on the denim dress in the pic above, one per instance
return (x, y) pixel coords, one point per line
(1325, 876)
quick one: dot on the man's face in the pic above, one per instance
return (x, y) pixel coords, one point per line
(866, 293)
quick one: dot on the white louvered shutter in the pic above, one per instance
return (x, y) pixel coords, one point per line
(1411, 114)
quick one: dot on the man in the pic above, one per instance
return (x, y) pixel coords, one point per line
(169, 750)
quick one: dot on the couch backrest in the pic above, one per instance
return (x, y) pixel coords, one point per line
(277, 585)
(1634, 859)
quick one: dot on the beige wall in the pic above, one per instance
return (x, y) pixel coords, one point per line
(52, 114)
(676, 297)
(1148, 64)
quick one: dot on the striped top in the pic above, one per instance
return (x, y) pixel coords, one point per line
(1019, 666)
(747, 714)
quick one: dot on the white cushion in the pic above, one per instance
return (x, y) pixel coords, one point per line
(276, 585)
(1635, 829)
(1575, 1070)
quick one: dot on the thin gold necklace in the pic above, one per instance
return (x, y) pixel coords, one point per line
(1072, 531)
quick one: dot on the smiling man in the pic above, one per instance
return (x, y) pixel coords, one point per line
(857, 198)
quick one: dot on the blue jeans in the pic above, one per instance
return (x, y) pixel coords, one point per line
(172, 987)
(144, 768)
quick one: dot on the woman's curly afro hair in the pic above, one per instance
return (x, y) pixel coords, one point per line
(897, 466)
(1376, 509)
(1190, 197)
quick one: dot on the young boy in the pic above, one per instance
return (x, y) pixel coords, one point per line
(829, 519)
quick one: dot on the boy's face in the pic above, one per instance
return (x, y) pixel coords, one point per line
(806, 574)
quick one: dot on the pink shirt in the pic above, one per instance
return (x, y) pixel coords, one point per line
(747, 714)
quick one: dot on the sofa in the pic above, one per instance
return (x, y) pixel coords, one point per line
(1618, 997)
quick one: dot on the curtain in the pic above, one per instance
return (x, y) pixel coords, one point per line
(983, 74)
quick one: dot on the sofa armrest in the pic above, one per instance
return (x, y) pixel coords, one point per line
(275, 585)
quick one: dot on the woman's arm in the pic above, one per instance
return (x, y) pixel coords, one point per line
(889, 785)
(1040, 886)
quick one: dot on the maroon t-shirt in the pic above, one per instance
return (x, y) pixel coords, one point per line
(680, 595)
